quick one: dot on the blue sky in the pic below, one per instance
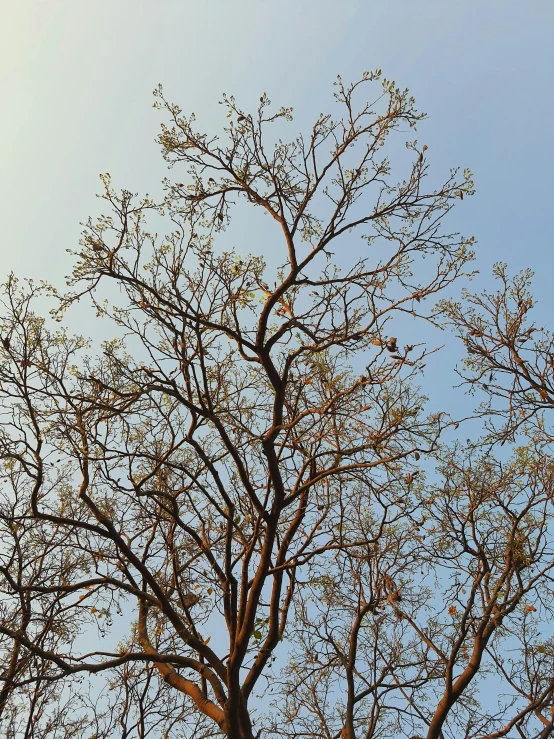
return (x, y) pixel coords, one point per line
(76, 80)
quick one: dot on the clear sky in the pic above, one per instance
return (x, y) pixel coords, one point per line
(76, 80)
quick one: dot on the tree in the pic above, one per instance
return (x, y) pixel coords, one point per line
(238, 476)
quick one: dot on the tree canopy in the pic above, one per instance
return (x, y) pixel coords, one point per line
(238, 518)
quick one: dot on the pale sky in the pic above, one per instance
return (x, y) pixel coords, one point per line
(76, 80)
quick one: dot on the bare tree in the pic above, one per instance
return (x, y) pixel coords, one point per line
(230, 493)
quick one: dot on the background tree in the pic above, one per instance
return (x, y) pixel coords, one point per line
(236, 476)
(510, 358)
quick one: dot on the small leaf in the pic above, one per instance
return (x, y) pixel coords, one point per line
(257, 635)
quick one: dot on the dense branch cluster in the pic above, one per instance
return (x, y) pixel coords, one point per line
(237, 519)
